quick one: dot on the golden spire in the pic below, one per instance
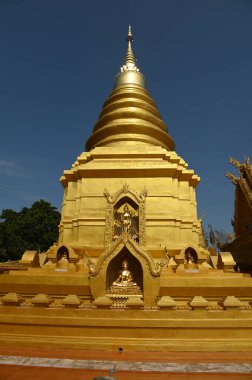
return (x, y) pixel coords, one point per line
(129, 71)
(129, 116)
(129, 58)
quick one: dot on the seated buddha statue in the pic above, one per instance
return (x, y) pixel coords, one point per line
(63, 262)
(125, 276)
(190, 260)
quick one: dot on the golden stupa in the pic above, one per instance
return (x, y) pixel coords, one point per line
(131, 268)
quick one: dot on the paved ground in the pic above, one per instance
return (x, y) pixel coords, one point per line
(18, 363)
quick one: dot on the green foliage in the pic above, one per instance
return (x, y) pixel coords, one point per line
(34, 228)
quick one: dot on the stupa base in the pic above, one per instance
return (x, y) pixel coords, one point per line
(136, 330)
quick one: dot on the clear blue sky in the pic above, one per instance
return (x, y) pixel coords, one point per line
(58, 60)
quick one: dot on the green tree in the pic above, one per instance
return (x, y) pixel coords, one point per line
(34, 228)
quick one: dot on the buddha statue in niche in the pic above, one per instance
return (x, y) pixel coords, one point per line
(126, 219)
(63, 262)
(190, 260)
(125, 277)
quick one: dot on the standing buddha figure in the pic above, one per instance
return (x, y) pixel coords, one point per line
(126, 219)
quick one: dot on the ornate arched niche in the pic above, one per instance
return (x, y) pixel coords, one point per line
(188, 257)
(191, 256)
(145, 273)
(125, 214)
(56, 253)
(62, 251)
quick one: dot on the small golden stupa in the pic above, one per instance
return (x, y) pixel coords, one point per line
(131, 268)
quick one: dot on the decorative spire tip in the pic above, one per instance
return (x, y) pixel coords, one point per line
(129, 37)
(130, 73)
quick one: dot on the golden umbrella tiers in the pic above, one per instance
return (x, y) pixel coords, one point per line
(130, 116)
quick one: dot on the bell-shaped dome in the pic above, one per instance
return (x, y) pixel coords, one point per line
(130, 116)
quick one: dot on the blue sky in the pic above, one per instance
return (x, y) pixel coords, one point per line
(58, 60)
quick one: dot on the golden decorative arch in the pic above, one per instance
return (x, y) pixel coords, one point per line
(182, 252)
(72, 256)
(134, 248)
(150, 282)
(139, 198)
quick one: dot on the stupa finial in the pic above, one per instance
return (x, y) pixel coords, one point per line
(129, 36)
(129, 73)
(129, 58)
